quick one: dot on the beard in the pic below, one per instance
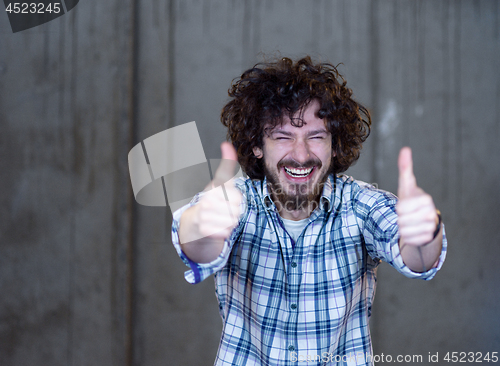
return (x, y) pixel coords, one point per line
(299, 196)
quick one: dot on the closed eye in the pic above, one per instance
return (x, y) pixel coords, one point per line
(318, 134)
(318, 137)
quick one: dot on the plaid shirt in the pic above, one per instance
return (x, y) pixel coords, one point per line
(283, 302)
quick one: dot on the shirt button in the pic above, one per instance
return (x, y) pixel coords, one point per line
(291, 348)
(293, 306)
(294, 264)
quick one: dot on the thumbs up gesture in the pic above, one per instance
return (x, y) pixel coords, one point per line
(204, 226)
(219, 208)
(417, 215)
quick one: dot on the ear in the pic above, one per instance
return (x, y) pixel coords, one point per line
(257, 151)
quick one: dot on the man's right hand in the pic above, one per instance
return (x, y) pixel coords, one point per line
(204, 226)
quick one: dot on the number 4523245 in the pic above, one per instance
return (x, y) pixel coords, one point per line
(33, 8)
(471, 357)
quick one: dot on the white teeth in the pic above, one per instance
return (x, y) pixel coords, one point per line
(294, 172)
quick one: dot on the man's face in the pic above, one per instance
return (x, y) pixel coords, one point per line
(297, 160)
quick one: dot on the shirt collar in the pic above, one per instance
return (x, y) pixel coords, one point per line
(268, 202)
(325, 199)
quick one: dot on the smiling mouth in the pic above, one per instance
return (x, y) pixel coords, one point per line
(298, 172)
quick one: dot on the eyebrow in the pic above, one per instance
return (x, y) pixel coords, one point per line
(310, 133)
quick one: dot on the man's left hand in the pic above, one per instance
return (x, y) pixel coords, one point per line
(417, 219)
(417, 215)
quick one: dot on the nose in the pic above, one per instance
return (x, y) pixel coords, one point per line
(301, 151)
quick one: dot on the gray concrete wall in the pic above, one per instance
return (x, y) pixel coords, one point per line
(88, 277)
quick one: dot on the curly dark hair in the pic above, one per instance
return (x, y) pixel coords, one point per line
(268, 91)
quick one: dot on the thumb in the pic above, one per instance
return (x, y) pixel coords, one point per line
(228, 165)
(407, 181)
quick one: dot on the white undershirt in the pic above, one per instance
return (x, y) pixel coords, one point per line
(295, 228)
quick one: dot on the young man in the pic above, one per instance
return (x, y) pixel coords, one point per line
(294, 248)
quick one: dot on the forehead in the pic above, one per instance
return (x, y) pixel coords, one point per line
(308, 118)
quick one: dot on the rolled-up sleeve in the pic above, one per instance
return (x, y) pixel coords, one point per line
(376, 212)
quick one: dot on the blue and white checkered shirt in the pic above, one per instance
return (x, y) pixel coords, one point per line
(283, 302)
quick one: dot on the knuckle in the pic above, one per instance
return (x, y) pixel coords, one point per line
(428, 199)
